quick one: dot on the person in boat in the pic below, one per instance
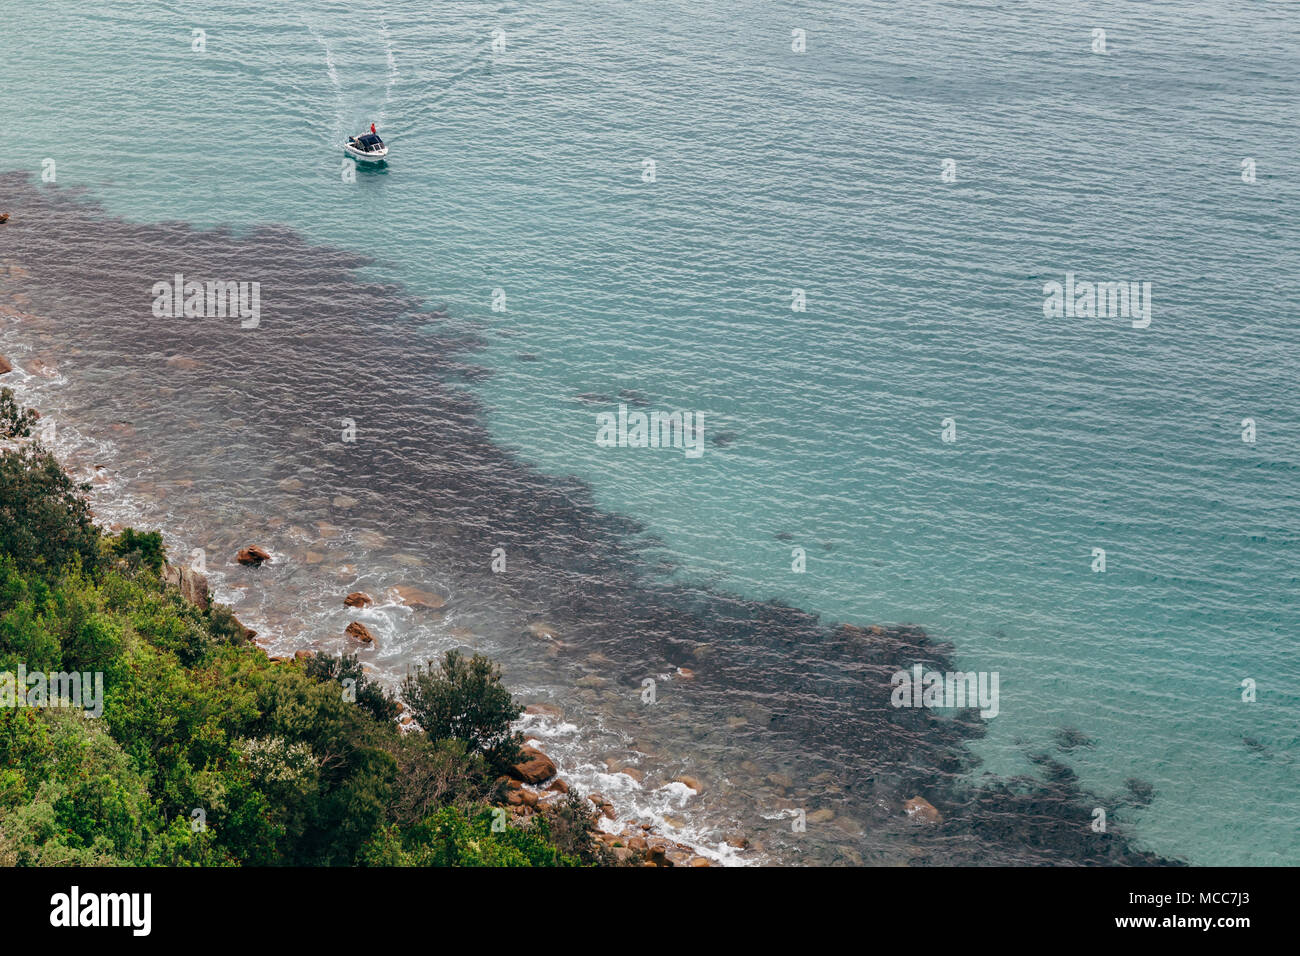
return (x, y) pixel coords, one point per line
(372, 127)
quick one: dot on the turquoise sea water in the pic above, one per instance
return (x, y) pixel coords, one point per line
(522, 170)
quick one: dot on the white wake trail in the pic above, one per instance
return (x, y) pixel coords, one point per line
(334, 80)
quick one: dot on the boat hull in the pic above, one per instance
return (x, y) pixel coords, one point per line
(361, 157)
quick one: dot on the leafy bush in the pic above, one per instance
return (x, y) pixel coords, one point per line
(15, 422)
(466, 701)
(370, 695)
(452, 837)
(141, 548)
(45, 521)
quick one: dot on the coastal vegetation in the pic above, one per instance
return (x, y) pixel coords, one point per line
(207, 751)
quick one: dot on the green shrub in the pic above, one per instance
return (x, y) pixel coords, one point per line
(465, 700)
(452, 837)
(370, 695)
(141, 548)
(15, 422)
(45, 521)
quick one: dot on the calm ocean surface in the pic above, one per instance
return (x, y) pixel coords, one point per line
(523, 170)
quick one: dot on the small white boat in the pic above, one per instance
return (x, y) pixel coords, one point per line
(368, 148)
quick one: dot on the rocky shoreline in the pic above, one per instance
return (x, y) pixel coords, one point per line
(533, 785)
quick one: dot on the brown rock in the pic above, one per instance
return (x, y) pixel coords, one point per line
(680, 855)
(358, 599)
(603, 805)
(42, 368)
(921, 810)
(692, 782)
(558, 786)
(253, 556)
(5, 366)
(542, 630)
(359, 632)
(547, 710)
(4, 217)
(301, 655)
(414, 597)
(193, 586)
(534, 767)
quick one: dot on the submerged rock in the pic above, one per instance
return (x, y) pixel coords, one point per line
(416, 598)
(358, 599)
(42, 368)
(921, 810)
(542, 630)
(689, 781)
